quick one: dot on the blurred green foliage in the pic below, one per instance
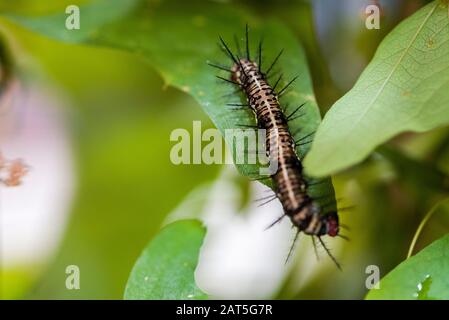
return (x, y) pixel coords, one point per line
(121, 113)
(121, 135)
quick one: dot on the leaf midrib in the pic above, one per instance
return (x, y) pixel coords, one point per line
(397, 64)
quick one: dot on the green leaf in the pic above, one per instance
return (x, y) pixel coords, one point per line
(421, 277)
(165, 270)
(177, 38)
(404, 88)
(92, 17)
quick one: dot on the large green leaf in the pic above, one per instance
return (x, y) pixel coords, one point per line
(178, 38)
(422, 277)
(165, 270)
(404, 88)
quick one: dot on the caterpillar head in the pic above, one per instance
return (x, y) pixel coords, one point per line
(330, 224)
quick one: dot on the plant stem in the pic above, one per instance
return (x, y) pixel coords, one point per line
(422, 224)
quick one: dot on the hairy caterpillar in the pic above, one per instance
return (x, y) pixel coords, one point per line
(290, 186)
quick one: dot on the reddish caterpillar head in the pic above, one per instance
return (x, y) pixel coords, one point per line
(310, 220)
(330, 224)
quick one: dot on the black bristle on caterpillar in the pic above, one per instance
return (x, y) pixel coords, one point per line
(290, 186)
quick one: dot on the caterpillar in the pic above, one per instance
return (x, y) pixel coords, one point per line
(289, 183)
